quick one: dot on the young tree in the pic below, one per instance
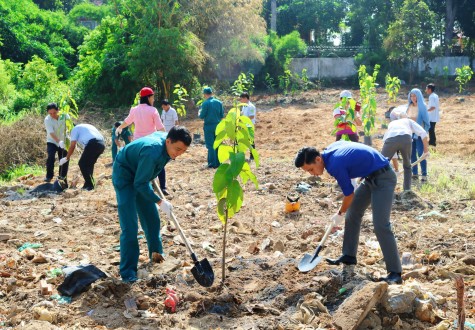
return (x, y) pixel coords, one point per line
(410, 36)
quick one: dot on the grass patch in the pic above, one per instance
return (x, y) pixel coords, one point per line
(19, 171)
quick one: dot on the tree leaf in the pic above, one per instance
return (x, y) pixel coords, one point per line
(222, 178)
(219, 139)
(255, 154)
(237, 162)
(223, 153)
(221, 210)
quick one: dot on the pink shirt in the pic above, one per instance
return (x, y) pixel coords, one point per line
(146, 120)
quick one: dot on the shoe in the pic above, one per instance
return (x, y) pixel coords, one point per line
(165, 192)
(87, 188)
(392, 278)
(347, 260)
(424, 178)
(415, 177)
(47, 179)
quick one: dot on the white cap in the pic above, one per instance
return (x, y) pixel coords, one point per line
(346, 94)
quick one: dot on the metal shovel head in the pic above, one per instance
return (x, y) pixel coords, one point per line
(203, 273)
(307, 264)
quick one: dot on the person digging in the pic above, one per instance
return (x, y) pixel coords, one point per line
(134, 168)
(346, 160)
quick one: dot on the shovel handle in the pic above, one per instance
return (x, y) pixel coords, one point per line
(175, 221)
(423, 157)
(322, 242)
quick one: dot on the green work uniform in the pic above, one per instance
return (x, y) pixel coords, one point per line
(212, 111)
(135, 166)
(124, 136)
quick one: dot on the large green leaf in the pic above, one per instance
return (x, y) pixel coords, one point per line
(219, 138)
(247, 121)
(235, 198)
(255, 154)
(222, 178)
(223, 153)
(237, 162)
(230, 128)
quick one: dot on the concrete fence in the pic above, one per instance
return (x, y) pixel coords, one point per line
(344, 67)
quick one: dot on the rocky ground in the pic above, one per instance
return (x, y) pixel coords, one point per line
(263, 289)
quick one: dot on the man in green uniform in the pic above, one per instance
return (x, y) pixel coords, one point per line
(212, 112)
(125, 136)
(135, 166)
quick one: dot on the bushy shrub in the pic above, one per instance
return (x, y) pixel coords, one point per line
(22, 142)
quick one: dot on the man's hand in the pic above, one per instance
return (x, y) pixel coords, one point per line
(63, 161)
(118, 131)
(166, 207)
(61, 144)
(337, 220)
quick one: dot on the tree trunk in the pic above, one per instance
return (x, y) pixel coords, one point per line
(450, 12)
(273, 17)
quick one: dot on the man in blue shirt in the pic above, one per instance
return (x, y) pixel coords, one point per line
(212, 112)
(345, 161)
(135, 166)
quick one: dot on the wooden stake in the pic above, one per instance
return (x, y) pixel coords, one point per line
(459, 286)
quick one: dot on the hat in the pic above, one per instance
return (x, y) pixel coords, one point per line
(165, 102)
(207, 90)
(346, 94)
(146, 91)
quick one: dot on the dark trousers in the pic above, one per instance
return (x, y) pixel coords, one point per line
(432, 139)
(162, 178)
(92, 151)
(52, 149)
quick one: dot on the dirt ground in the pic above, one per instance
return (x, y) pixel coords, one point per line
(263, 288)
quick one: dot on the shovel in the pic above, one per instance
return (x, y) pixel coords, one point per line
(61, 183)
(309, 262)
(202, 271)
(423, 157)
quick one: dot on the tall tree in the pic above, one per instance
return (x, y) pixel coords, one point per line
(409, 36)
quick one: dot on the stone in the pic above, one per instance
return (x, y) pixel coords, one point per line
(169, 265)
(279, 246)
(39, 258)
(70, 193)
(424, 311)
(192, 296)
(469, 260)
(398, 300)
(355, 308)
(5, 237)
(372, 321)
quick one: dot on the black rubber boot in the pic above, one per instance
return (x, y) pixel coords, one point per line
(347, 260)
(392, 278)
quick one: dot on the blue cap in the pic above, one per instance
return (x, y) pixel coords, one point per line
(207, 90)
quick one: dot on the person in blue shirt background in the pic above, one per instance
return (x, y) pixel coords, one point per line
(347, 160)
(134, 168)
(125, 136)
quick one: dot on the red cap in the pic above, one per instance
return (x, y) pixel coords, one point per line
(146, 91)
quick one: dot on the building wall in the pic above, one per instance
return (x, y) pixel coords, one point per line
(340, 68)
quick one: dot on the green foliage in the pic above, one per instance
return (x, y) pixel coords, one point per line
(410, 35)
(179, 98)
(269, 83)
(348, 118)
(68, 111)
(393, 84)
(7, 90)
(284, 81)
(367, 85)
(463, 76)
(15, 172)
(305, 81)
(244, 83)
(233, 141)
(89, 11)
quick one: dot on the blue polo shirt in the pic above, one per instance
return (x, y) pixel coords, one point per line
(348, 160)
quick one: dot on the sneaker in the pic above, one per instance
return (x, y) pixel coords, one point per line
(424, 178)
(165, 192)
(415, 177)
(392, 278)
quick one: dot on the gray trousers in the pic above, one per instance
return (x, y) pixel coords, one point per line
(379, 191)
(403, 143)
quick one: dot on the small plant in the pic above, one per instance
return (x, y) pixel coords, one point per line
(284, 81)
(393, 84)
(179, 99)
(305, 81)
(270, 84)
(368, 98)
(68, 111)
(244, 83)
(233, 141)
(464, 74)
(347, 119)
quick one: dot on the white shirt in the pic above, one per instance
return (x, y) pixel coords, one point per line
(434, 102)
(404, 126)
(169, 118)
(249, 110)
(83, 133)
(56, 126)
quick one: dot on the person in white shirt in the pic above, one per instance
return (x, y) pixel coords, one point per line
(433, 109)
(55, 126)
(399, 137)
(250, 111)
(88, 137)
(169, 119)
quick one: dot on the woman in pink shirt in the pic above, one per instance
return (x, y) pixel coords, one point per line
(147, 121)
(144, 116)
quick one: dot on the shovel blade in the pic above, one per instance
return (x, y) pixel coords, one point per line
(203, 273)
(306, 264)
